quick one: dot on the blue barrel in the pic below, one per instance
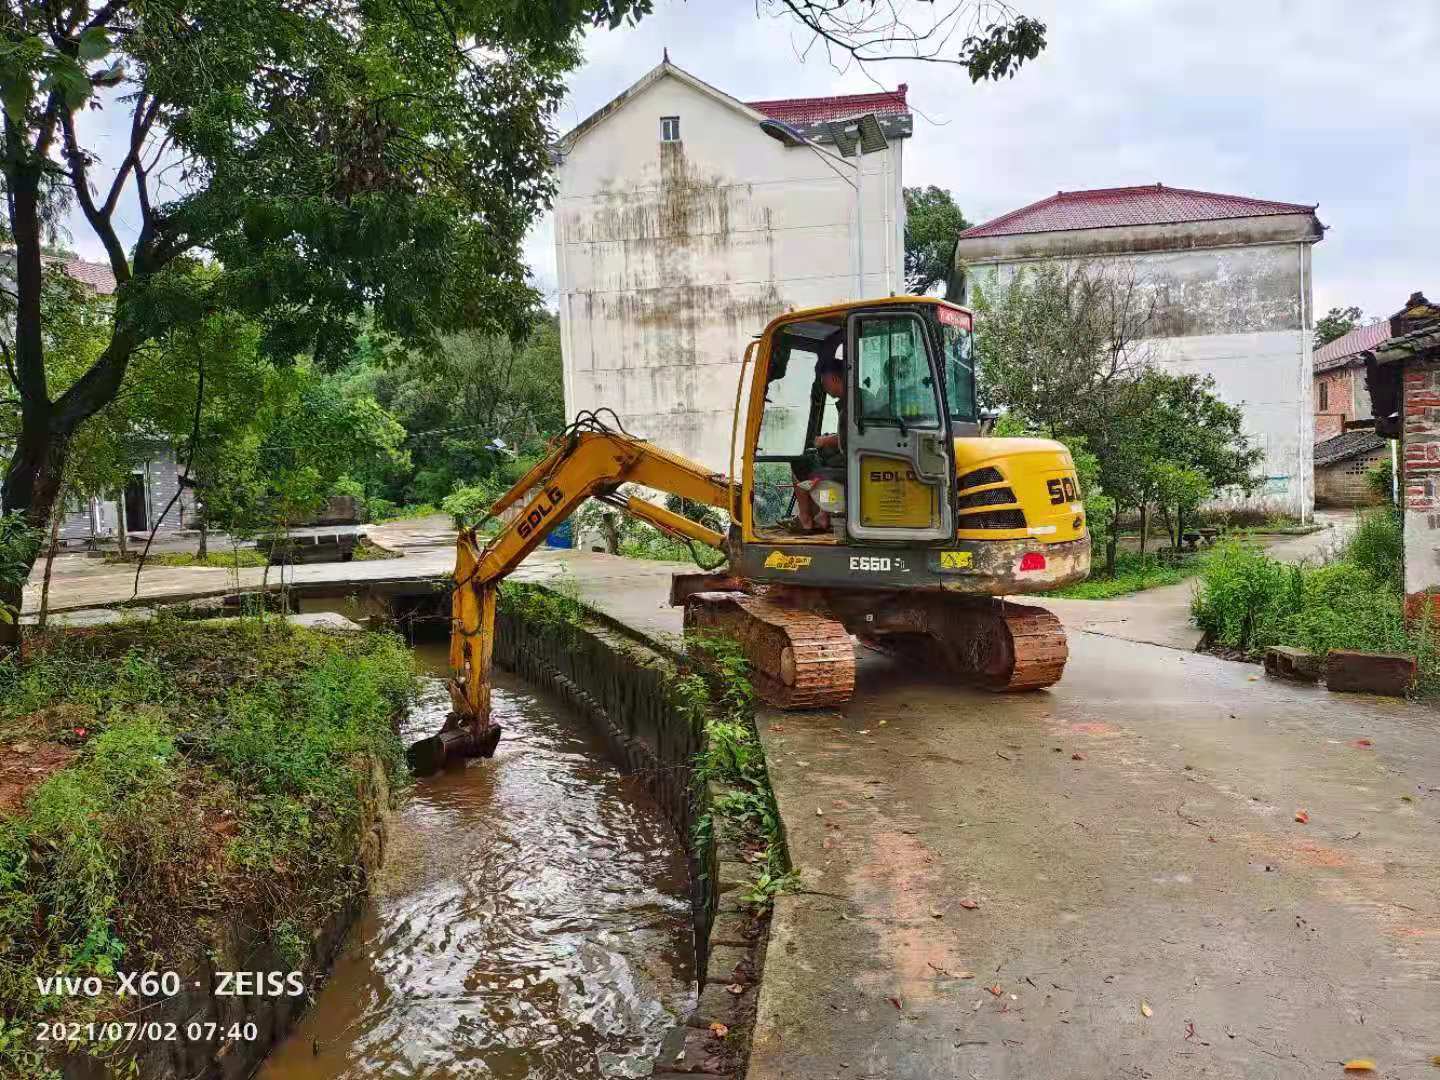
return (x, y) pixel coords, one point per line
(562, 536)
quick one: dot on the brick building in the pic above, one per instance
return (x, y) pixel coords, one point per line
(1403, 373)
(1340, 392)
(1342, 468)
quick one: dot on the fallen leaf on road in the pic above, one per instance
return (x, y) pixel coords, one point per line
(1002, 754)
(1435, 1061)
(777, 727)
(893, 1000)
(995, 989)
(1359, 1065)
(735, 988)
(936, 913)
(969, 905)
(1145, 1009)
(1077, 756)
(1302, 816)
(819, 812)
(1189, 1029)
(719, 1030)
(1362, 744)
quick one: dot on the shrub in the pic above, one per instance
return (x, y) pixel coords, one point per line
(1244, 598)
(1341, 606)
(1381, 480)
(468, 505)
(1378, 546)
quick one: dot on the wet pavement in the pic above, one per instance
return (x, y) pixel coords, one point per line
(1146, 903)
(532, 919)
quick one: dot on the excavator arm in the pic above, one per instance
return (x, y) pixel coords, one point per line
(583, 464)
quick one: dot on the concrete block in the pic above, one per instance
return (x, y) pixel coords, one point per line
(733, 928)
(729, 964)
(1391, 674)
(1298, 665)
(701, 1053)
(731, 875)
(719, 1005)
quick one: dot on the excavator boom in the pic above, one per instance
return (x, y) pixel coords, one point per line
(592, 462)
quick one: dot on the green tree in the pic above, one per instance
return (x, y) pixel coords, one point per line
(1336, 323)
(932, 222)
(1062, 350)
(456, 400)
(378, 157)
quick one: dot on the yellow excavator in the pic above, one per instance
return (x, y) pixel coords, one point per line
(912, 525)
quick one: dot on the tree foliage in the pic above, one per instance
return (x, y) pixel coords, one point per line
(1063, 351)
(460, 402)
(994, 41)
(932, 222)
(1336, 323)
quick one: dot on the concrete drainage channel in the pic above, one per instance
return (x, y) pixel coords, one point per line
(641, 698)
(626, 688)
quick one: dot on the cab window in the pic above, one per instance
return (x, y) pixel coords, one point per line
(957, 345)
(893, 382)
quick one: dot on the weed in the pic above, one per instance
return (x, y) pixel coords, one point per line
(221, 773)
(1377, 546)
(1133, 573)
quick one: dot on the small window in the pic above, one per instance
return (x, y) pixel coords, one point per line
(1324, 397)
(669, 129)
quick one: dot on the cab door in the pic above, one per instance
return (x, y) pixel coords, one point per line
(900, 467)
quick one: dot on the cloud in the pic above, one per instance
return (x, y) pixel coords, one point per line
(1325, 102)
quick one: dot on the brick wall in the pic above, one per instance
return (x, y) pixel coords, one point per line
(1420, 476)
(1340, 393)
(1345, 483)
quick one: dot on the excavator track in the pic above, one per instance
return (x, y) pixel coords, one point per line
(799, 659)
(1001, 646)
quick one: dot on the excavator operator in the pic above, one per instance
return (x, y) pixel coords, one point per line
(829, 449)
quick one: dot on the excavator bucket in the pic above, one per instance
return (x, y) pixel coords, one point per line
(468, 731)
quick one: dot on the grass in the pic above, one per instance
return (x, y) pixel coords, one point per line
(219, 776)
(1247, 602)
(1133, 573)
(230, 559)
(404, 513)
(733, 757)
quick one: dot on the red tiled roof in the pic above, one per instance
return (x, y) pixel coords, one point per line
(1361, 339)
(1152, 204)
(839, 107)
(97, 275)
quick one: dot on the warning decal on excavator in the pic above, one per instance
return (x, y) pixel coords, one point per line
(956, 560)
(778, 560)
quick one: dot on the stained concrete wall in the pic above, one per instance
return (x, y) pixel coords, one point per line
(673, 255)
(1239, 312)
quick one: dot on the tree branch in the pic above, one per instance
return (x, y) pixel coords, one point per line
(99, 219)
(140, 121)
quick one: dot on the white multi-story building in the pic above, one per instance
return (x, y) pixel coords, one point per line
(682, 228)
(1229, 278)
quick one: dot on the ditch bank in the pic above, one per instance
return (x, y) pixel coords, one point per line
(214, 804)
(686, 732)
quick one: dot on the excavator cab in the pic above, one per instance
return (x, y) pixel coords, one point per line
(921, 499)
(909, 390)
(871, 406)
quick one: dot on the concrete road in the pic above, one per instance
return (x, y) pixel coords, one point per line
(1131, 843)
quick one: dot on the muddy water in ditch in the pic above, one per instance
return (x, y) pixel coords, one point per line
(532, 920)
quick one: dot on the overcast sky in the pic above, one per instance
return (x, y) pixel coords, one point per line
(1313, 101)
(1323, 101)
